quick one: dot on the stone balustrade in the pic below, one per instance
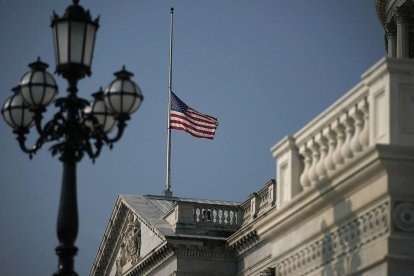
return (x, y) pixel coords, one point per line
(379, 110)
(187, 216)
(204, 217)
(340, 137)
(260, 202)
(247, 210)
(216, 214)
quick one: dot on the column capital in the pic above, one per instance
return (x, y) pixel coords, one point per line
(401, 15)
(390, 30)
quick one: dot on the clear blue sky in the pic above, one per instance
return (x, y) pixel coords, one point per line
(263, 68)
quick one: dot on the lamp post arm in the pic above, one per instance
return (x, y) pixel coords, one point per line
(21, 138)
(49, 131)
(38, 120)
(121, 125)
(93, 154)
(52, 130)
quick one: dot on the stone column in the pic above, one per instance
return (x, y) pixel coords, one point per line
(391, 34)
(401, 17)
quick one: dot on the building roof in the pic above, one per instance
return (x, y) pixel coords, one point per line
(152, 208)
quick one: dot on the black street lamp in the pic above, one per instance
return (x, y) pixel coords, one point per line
(78, 127)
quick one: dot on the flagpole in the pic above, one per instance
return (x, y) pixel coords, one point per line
(168, 192)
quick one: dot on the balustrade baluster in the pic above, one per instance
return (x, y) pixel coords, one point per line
(357, 116)
(304, 178)
(364, 137)
(198, 214)
(349, 130)
(203, 214)
(329, 160)
(313, 176)
(340, 135)
(226, 216)
(323, 149)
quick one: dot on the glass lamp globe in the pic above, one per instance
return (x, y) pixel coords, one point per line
(103, 117)
(16, 113)
(37, 87)
(123, 96)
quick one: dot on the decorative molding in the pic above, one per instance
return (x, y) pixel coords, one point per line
(403, 216)
(391, 30)
(110, 239)
(151, 261)
(380, 4)
(246, 242)
(391, 8)
(344, 239)
(401, 15)
(202, 252)
(166, 251)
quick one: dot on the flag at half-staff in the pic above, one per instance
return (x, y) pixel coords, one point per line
(183, 117)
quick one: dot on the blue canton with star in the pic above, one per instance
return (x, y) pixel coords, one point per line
(177, 104)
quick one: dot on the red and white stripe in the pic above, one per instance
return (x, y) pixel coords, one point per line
(195, 123)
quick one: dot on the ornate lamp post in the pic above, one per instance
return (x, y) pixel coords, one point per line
(78, 127)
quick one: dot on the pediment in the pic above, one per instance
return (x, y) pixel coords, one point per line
(135, 230)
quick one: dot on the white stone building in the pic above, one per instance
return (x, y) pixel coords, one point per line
(343, 202)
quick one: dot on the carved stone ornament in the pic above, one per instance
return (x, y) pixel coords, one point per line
(403, 216)
(270, 271)
(390, 31)
(130, 245)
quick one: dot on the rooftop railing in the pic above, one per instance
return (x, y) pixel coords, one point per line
(379, 110)
(200, 218)
(260, 202)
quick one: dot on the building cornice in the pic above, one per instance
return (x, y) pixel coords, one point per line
(372, 163)
(204, 252)
(387, 66)
(316, 198)
(152, 260)
(108, 246)
(386, 9)
(168, 250)
(338, 242)
(245, 241)
(366, 222)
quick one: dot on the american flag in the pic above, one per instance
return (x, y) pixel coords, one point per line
(183, 117)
